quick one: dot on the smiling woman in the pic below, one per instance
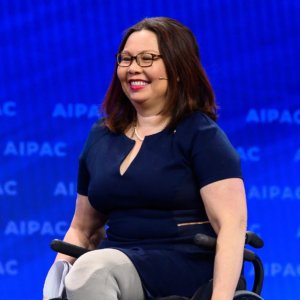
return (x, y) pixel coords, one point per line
(139, 75)
(157, 170)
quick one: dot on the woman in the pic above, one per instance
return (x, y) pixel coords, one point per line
(157, 170)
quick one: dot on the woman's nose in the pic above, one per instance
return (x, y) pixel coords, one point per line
(134, 67)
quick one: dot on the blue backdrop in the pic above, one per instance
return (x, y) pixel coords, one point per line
(56, 61)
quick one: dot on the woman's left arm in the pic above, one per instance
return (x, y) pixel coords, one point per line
(225, 204)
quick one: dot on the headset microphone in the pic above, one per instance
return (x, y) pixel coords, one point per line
(162, 78)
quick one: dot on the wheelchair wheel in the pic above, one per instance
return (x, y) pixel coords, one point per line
(246, 295)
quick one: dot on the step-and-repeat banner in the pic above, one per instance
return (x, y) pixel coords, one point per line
(56, 61)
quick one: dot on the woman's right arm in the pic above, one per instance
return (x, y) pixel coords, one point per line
(86, 229)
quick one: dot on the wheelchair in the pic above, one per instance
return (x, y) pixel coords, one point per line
(202, 240)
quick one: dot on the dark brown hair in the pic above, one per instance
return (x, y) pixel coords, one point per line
(189, 89)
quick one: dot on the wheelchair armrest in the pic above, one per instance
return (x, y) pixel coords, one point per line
(67, 248)
(209, 242)
(251, 239)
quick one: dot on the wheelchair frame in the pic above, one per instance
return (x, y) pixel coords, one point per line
(201, 240)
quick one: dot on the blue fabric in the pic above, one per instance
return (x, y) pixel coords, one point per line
(159, 190)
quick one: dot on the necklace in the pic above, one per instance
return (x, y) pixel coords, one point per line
(137, 134)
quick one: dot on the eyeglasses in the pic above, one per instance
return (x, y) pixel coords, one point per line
(143, 59)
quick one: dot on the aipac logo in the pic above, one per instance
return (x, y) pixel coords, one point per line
(8, 109)
(280, 269)
(273, 115)
(34, 148)
(249, 153)
(35, 227)
(9, 188)
(65, 189)
(273, 192)
(75, 110)
(9, 267)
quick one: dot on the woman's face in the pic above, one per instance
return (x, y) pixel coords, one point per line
(145, 87)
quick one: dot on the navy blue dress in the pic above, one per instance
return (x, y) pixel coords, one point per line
(148, 206)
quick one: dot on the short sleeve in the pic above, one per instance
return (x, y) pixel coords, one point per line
(83, 175)
(213, 156)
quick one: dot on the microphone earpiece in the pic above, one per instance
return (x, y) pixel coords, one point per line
(162, 78)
